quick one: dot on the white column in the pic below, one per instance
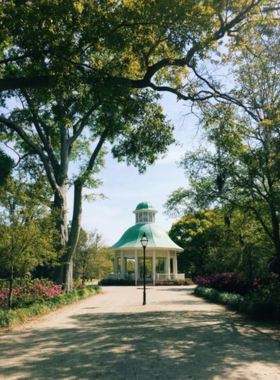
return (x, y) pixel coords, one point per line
(136, 267)
(168, 264)
(175, 265)
(122, 265)
(154, 266)
(115, 265)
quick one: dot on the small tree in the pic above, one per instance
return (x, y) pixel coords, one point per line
(92, 259)
(28, 237)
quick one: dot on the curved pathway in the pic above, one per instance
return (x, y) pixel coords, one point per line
(176, 336)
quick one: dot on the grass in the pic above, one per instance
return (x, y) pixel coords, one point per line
(14, 317)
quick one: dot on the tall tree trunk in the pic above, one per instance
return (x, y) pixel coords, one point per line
(60, 211)
(10, 297)
(74, 236)
(84, 272)
(276, 239)
(250, 261)
(65, 273)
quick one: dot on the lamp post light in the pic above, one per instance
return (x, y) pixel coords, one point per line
(144, 242)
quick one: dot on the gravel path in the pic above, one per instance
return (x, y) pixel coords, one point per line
(176, 336)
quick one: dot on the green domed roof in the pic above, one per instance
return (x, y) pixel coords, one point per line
(145, 206)
(157, 237)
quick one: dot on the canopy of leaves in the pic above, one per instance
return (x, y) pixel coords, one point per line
(6, 166)
(92, 260)
(213, 246)
(28, 237)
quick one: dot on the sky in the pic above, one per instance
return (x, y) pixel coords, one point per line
(124, 187)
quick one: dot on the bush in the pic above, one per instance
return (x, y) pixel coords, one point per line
(11, 318)
(266, 300)
(225, 282)
(113, 282)
(262, 303)
(27, 291)
(235, 282)
(186, 281)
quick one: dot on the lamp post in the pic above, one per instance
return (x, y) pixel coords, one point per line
(144, 242)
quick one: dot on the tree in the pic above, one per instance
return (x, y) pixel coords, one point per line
(212, 244)
(243, 171)
(27, 231)
(203, 236)
(142, 35)
(237, 177)
(103, 65)
(92, 259)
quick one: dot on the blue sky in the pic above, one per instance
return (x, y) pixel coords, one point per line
(125, 188)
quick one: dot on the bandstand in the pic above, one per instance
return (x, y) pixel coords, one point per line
(161, 251)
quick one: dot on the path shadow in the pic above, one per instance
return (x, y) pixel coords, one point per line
(151, 345)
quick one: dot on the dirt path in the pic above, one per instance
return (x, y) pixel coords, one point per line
(176, 336)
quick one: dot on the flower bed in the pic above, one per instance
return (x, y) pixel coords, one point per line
(27, 291)
(165, 283)
(235, 282)
(11, 318)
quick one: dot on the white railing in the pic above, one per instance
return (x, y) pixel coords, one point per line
(157, 276)
(170, 276)
(121, 276)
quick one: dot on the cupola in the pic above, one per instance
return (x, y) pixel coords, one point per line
(144, 213)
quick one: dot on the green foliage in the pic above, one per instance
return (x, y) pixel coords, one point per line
(100, 43)
(11, 318)
(28, 234)
(241, 171)
(215, 241)
(6, 166)
(27, 230)
(141, 145)
(92, 259)
(113, 282)
(261, 304)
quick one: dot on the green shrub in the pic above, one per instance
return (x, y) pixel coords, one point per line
(113, 282)
(188, 281)
(11, 318)
(262, 303)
